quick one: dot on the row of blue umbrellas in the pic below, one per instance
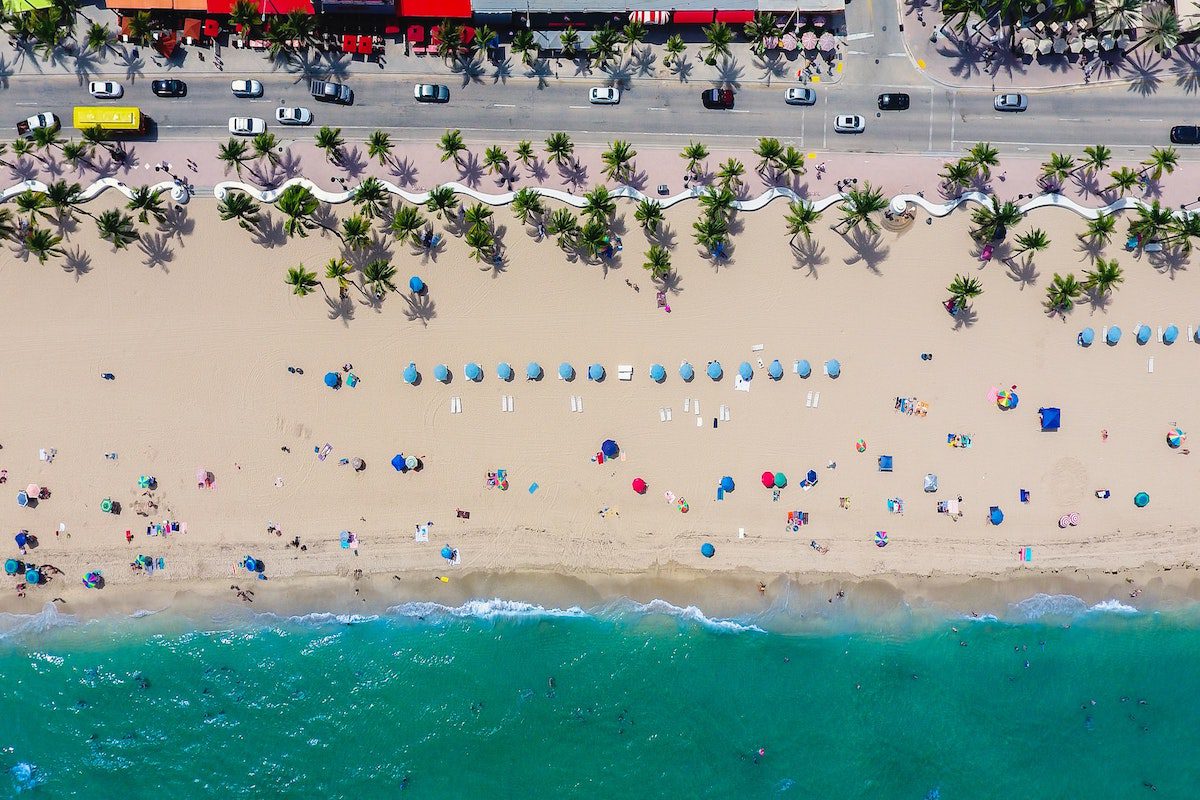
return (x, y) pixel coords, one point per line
(1088, 335)
(658, 373)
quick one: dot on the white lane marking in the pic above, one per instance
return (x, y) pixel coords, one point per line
(1149, 120)
(1027, 144)
(503, 105)
(738, 111)
(897, 55)
(578, 106)
(930, 146)
(854, 37)
(1069, 119)
(656, 108)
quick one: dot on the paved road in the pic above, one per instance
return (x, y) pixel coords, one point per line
(662, 112)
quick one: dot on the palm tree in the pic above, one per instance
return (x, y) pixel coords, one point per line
(568, 42)
(694, 153)
(46, 138)
(42, 243)
(330, 141)
(718, 202)
(563, 224)
(658, 261)
(116, 228)
(35, 204)
(1062, 293)
(64, 198)
(99, 38)
(1161, 159)
(240, 206)
(266, 145)
(768, 150)
(478, 216)
(406, 223)
(719, 38)
(524, 152)
(592, 237)
(1185, 228)
(758, 30)
(146, 202)
(1123, 179)
(964, 288)
(481, 241)
(298, 204)
(371, 197)
(800, 218)
(859, 204)
(94, 136)
(1058, 168)
(484, 36)
(234, 154)
(140, 26)
(1106, 276)
(244, 16)
(618, 160)
(710, 232)
(1115, 16)
(1034, 240)
(495, 159)
(76, 153)
(790, 163)
(984, 157)
(632, 34)
(675, 47)
(356, 232)
(958, 174)
(527, 203)
(730, 173)
(8, 226)
(1151, 222)
(1161, 28)
(650, 214)
(379, 147)
(449, 39)
(442, 200)
(1100, 229)
(559, 146)
(380, 276)
(338, 270)
(598, 204)
(451, 144)
(1096, 158)
(991, 221)
(604, 46)
(524, 45)
(301, 280)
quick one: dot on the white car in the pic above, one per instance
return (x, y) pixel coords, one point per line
(604, 95)
(247, 126)
(849, 123)
(247, 88)
(800, 96)
(1011, 102)
(106, 90)
(293, 115)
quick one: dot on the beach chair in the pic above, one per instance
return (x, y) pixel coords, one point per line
(895, 505)
(885, 463)
(625, 372)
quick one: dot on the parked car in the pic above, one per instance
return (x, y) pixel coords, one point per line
(1185, 134)
(331, 92)
(431, 93)
(800, 96)
(42, 120)
(1011, 102)
(247, 88)
(247, 126)
(604, 95)
(171, 87)
(893, 101)
(717, 98)
(849, 123)
(293, 115)
(106, 90)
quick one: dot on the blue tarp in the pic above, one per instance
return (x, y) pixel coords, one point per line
(1051, 418)
(885, 463)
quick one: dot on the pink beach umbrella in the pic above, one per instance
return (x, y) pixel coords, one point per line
(33, 490)
(808, 40)
(788, 42)
(825, 43)
(202, 477)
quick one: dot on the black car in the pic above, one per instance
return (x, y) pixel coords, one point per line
(1185, 134)
(893, 102)
(717, 98)
(169, 88)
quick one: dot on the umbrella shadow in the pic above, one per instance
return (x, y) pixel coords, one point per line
(77, 261)
(419, 308)
(156, 247)
(1023, 273)
(405, 171)
(810, 254)
(869, 249)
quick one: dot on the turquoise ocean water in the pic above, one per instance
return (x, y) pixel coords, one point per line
(645, 701)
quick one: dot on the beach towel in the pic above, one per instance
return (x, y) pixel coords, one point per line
(421, 534)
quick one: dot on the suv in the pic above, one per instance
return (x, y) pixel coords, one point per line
(893, 102)
(1185, 134)
(849, 123)
(331, 92)
(717, 98)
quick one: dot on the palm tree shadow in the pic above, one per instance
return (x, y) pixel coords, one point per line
(642, 61)
(772, 67)
(504, 71)
(671, 283)
(177, 223)
(85, 66)
(1170, 261)
(471, 69)
(24, 169)
(1142, 74)
(269, 231)
(540, 69)
(405, 171)
(868, 247)
(683, 67)
(810, 254)
(326, 219)
(429, 254)
(1091, 248)
(6, 72)
(538, 171)
(573, 173)
(340, 307)
(378, 249)
(965, 318)
(1024, 273)
(419, 308)
(1187, 72)
(619, 74)
(1087, 183)
(729, 73)
(78, 262)
(964, 55)
(289, 164)
(352, 162)
(133, 65)
(156, 247)
(470, 170)
(1099, 301)
(664, 236)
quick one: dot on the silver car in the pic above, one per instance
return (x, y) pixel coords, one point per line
(293, 115)
(247, 126)
(604, 95)
(1011, 102)
(849, 123)
(800, 96)
(246, 88)
(106, 90)
(431, 93)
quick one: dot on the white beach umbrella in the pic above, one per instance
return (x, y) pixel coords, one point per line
(1076, 45)
(1123, 42)
(1108, 42)
(1029, 46)
(1044, 46)
(1060, 45)
(1090, 43)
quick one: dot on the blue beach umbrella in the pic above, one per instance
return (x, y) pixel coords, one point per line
(504, 371)
(22, 499)
(686, 372)
(473, 372)
(995, 515)
(1114, 335)
(1171, 334)
(657, 373)
(745, 370)
(609, 448)
(775, 370)
(805, 368)
(33, 576)
(447, 551)
(707, 550)
(410, 373)
(727, 484)
(398, 462)
(1143, 334)
(595, 372)
(250, 564)
(333, 380)
(811, 477)
(416, 285)
(566, 371)
(1087, 336)
(1141, 499)
(21, 539)
(11, 566)
(441, 373)
(714, 370)
(833, 368)
(533, 371)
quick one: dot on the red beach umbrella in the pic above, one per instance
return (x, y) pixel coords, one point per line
(639, 485)
(768, 480)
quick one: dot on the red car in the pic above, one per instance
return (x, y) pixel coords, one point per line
(717, 98)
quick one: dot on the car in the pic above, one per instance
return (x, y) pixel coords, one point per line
(849, 123)
(293, 115)
(431, 93)
(1185, 134)
(43, 120)
(800, 96)
(106, 90)
(170, 87)
(331, 92)
(247, 88)
(1011, 102)
(247, 126)
(893, 101)
(604, 95)
(717, 98)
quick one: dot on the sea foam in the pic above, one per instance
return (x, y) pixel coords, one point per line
(689, 614)
(14, 625)
(483, 609)
(1066, 605)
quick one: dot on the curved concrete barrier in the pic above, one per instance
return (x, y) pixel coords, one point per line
(179, 193)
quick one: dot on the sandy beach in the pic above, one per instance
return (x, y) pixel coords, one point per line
(199, 335)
